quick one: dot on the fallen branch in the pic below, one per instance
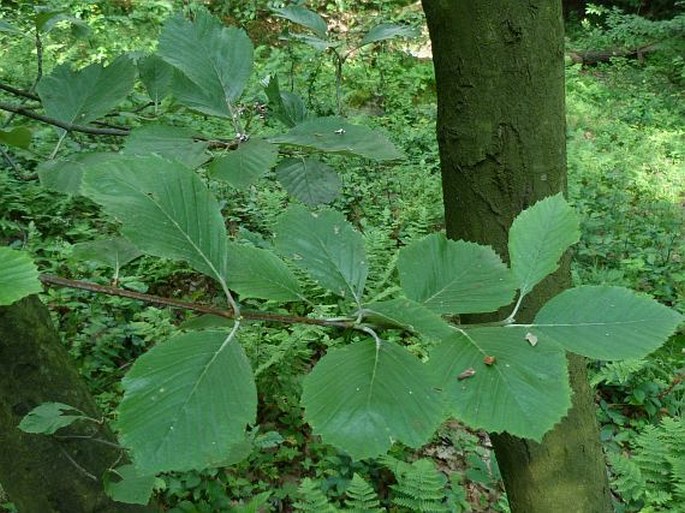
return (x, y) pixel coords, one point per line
(592, 57)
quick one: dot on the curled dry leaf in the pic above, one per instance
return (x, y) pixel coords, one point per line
(466, 374)
(532, 339)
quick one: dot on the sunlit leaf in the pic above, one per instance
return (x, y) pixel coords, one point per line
(496, 381)
(214, 62)
(243, 166)
(364, 397)
(539, 237)
(335, 135)
(326, 246)
(453, 277)
(309, 180)
(606, 323)
(186, 402)
(18, 276)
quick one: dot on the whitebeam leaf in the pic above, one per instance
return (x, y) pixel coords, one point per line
(169, 142)
(187, 402)
(309, 180)
(363, 397)
(538, 238)
(165, 210)
(454, 277)
(606, 323)
(243, 166)
(325, 246)
(410, 315)
(213, 62)
(18, 276)
(495, 380)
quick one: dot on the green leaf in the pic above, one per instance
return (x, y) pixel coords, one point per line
(606, 323)
(9, 28)
(304, 17)
(172, 143)
(113, 253)
(125, 484)
(85, 95)
(18, 276)
(213, 62)
(386, 31)
(309, 180)
(46, 19)
(454, 277)
(320, 45)
(66, 174)
(286, 107)
(326, 246)
(410, 315)
(156, 76)
(363, 397)
(538, 238)
(258, 273)
(48, 418)
(206, 321)
(19, 137)
(242, 167)
(186, 402)
(165, 210)
(524, 391)
(335, 135)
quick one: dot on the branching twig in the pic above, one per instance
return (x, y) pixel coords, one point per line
(19, 92)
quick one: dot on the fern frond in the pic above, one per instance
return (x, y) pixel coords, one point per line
(310, 499)
(421, 488)
(628, 479)
(361, 498)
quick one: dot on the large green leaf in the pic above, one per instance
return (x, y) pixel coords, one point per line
(304, 17)
(496, 380)
(66, 174)
(606, 323)
(156, 76)
(335, 135)
(364, 397)
(18, 276)
(325, 246)
(286, 107)
(113, 253)
(165, 210)
(125, 484)
(410, 315)
(309, 180)
(186, 402)
(169, 142)
(454, 277)
(213, 62)
(539, 237)
(85, 95)
(258, 273)
(245, 165)
(386, 31)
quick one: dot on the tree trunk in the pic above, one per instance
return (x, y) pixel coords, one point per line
(44, 474)
(499, 67)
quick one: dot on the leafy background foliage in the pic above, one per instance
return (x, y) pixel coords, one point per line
(624, 178)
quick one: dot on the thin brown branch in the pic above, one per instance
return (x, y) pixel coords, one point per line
(250, 315)
(69, 127)
(19, 92)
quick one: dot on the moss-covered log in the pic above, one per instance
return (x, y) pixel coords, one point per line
(44, 474)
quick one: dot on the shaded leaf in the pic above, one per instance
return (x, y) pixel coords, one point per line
(213, 62)
(113, 253)
(9, 28)
(165, 210)
(364, 397)
(169, 142)
(320, 45)
(48, 418)
(66, 174)
(19, 137)
(286, 107)
(258, 273)
(18, 276)
(386, 31)
(507, 385)
(334, 135)
(538, 238)
(326, 246)
(410, 315)
(125, 484)
(156, 76)
(186, 402)
(606, 323)
(205, 322)
(309, 180)
(304, 17)
(242, 167)
(454, 277)
(85, 95)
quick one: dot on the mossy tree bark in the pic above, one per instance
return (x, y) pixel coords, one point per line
(44, 474)
(499, 67)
